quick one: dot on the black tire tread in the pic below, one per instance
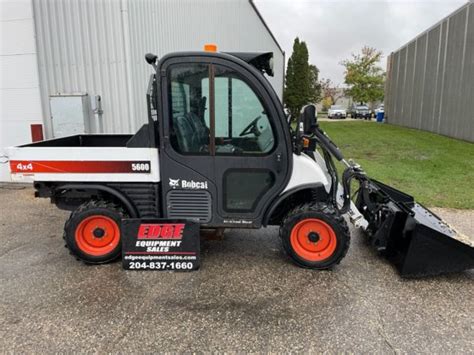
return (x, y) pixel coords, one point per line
(323, 208)
(92, 204)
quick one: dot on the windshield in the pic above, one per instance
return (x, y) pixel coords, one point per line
(362, 107)
(336, 107)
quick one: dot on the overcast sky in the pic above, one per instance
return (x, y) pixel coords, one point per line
(333, 29)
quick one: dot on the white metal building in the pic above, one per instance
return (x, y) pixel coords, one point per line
(80, 63)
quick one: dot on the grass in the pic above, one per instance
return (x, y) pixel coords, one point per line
(436, 170)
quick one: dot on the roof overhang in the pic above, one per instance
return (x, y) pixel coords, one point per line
(261, 61)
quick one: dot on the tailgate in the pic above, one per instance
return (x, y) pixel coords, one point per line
(36, 163)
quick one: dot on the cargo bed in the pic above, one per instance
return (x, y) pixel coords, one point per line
(85, 140)
(95, 157)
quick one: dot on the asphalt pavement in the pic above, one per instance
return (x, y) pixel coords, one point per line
(245, 297)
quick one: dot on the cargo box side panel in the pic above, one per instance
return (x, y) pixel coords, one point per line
(78, 164)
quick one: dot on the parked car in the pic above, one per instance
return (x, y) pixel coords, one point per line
(361, 111)
(337, 111)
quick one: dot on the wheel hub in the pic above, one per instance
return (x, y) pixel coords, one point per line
(97, 235)
(313, 237)
(98, 232)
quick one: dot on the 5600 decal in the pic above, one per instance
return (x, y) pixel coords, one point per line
(145, 167)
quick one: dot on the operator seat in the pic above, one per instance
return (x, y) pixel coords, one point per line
(200, 135)
(183, 132)
(191, 132)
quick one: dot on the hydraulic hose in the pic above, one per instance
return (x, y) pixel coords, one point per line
(347, 176)
(328, 144)
(352, 171)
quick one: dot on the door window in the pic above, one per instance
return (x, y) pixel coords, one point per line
(242, 126)
(243, 188)
(189, 133)
(241, 122)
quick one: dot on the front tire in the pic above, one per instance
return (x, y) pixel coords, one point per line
(92, 232)
(315, 236)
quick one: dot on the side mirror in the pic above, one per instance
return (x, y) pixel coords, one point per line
(309, 119)
(151, 59)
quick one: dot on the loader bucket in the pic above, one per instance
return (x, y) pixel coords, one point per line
(412, 237)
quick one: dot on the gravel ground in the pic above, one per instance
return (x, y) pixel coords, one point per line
(245, 297)
(461, 220)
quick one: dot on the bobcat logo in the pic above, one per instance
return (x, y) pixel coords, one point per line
(174, 183)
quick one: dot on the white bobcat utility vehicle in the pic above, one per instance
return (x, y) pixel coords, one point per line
(218, 149)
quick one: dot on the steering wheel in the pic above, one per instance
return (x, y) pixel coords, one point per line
(251, 128)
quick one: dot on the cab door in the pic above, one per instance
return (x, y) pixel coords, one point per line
(225, 147)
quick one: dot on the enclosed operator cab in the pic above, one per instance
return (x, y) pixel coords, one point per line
(225, 148)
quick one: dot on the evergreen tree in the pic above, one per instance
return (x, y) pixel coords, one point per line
(288, 92)
(316, 89)
(300, 81)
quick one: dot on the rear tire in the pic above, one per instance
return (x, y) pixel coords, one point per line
(315, 236)
(92, 232)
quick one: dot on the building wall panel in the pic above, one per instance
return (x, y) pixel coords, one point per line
(11, 10)
(408, 119)
(98, 47)
(401, 83)
(431, 79)
(466, 126)
(20, 104)
(80, 49)
(19, 86)
(16, 37)
(392, 80)
(166, 26)
(452, 89)
(430, 88)
(12, 78)
(418, 81)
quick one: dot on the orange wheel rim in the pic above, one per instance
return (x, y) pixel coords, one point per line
(313, 239)
(97, 235)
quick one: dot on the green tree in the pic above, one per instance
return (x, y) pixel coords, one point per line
(298, 80)
(364, 76)
(315, 88)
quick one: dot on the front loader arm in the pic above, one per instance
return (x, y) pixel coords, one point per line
(417, 241)
(352, 171)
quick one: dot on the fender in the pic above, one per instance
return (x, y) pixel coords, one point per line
(279, 199)
(129, 206)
